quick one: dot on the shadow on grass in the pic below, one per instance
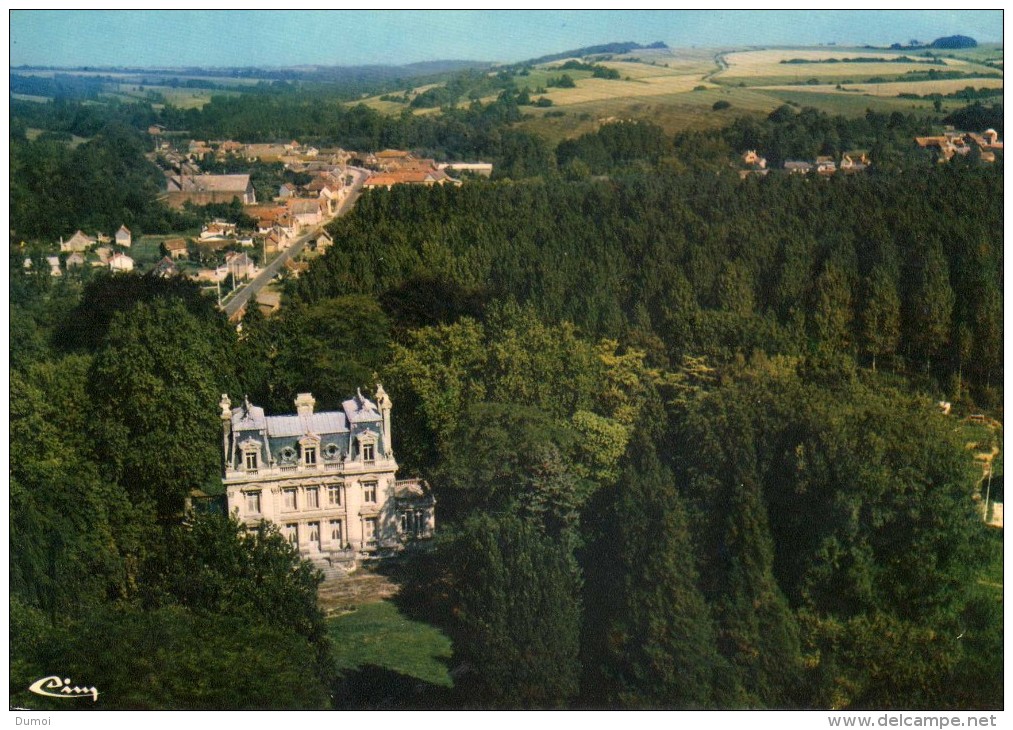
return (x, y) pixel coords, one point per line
(422, 594)
(370, 687)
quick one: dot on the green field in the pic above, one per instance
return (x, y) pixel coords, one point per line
(146, 250)
(854, 104)
(33, 134)
(677, 88)
(378, 634)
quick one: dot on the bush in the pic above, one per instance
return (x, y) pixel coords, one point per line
(721, 104)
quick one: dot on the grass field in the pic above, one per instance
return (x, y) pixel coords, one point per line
(32, 134)
(856, 104)
(380, 635)
(677, 88)
(178, 97)
(894, 88)
(764, 68)
(146, 250)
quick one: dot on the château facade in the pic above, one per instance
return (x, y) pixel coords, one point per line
(327, 479)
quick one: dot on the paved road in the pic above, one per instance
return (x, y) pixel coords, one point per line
(248, 292)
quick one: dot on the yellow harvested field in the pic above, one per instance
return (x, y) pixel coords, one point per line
(760, 64)
(893, 88)
(663, 67)
(600, 89)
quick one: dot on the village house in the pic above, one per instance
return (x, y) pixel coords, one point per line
(175, 248)
(953, 142)
(264, 152)
(295, 268)
(825, 165)
(217, 229)
(326, 479)
(856, 161)
(240, 266)
(797, 167)
(79, 242)
(123, 237)
(121, 262)
(483, 169)
(165, 269)
(54, 265)
(268, 302)
(751, 158)
(75, 260)
(104, 253)
(230, 147)
(305, 212)
(409, 177)
(204, 189)
(322, 242)
(213, 276)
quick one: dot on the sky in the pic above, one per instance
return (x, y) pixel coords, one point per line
(353, 37)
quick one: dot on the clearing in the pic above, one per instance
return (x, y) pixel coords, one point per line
(371, 633)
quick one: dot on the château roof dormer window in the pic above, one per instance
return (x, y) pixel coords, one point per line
(367, 446)
(250, 459)
(310, 448)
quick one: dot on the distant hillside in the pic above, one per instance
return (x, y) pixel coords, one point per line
(955, 41)
(595, 50)
(318, 73)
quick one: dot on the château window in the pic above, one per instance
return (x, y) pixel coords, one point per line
(312, 498)
(314, 532)
(310, 455)
(334, 496)
(369, 492)
(290, 501)
(292, 534)
(336, 536)
(369, 530)
(368, 452)
(251, 460)
(253, 503)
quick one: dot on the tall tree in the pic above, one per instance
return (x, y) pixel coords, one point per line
(880, 320)
(930, 304)
(153, 387)
(659, 641)
(831, 319)
(756, 628)
(515, 595)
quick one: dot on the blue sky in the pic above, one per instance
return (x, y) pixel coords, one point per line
(284, 38)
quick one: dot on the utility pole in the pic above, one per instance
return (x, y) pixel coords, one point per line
(988, 489)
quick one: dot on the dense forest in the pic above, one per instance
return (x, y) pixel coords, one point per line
(681, 427)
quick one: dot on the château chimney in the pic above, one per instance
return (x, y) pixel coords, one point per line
(304, 403)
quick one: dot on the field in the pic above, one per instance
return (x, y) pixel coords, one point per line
(146, 250)
(75, 141)
(851, 105)
(764, 68)
(378, 635)
(895, 88)
(677, 88)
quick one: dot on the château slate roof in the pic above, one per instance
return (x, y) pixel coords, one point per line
(317, 423)
(359, 409)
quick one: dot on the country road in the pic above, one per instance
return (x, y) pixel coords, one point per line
(248, 292)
